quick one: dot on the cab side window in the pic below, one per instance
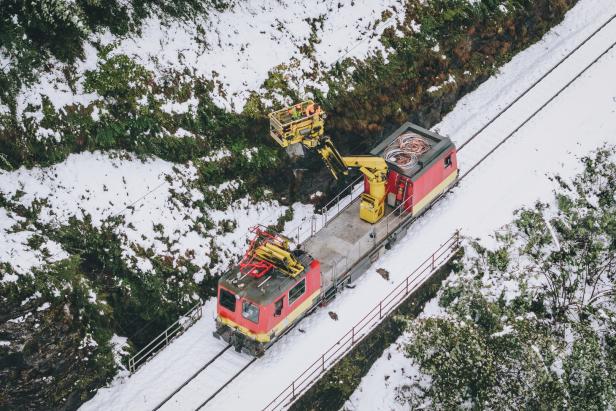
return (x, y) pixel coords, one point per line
(448, 161)
(227, 300)
(297, 291)
(278, 307)
(250, 311)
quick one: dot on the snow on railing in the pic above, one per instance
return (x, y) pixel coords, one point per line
(364, 326)
(163, 339)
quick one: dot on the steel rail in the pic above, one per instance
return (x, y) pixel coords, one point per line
(222, 387)
(186, 382)
(544, 105)
(539, 80)
(192, 377)
(481, 160)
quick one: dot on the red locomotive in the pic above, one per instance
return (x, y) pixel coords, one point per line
(269, 290)
(273, 287)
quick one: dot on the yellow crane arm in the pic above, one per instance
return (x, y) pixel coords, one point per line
(332, 157)
(374, 164)
(303, 124)
(375, 168)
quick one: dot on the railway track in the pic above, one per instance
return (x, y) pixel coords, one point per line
(191, 378)
(241, 366)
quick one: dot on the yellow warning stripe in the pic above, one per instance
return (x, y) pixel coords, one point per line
(436, 191)
(288, 320)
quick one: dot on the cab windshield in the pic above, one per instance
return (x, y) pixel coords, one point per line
(227, 300)
(250, 311)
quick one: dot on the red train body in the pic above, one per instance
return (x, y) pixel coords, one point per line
(253, 312)
(417, 191)
(262, 318)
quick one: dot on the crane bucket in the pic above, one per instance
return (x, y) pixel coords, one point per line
(300, 123)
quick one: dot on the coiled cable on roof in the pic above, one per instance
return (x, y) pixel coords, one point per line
(406, 150)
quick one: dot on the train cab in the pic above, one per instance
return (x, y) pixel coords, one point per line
(266, 293)
(422, 165)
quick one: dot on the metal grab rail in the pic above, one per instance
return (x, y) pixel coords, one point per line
(310, 226)
(380, 231)
(363, 327)
(163, 339)
(336, 200)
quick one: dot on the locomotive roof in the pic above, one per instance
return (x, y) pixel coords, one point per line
(439, 145)
(274, 283)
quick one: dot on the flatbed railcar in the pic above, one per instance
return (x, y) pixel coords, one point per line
(256, 306)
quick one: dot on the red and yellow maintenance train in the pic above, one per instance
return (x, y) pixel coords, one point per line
(275, 284)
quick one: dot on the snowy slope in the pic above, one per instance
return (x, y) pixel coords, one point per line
(145, 193)
(578, 121)
(236, 48)
(240, 46)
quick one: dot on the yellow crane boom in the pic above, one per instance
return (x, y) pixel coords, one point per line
(303, 123)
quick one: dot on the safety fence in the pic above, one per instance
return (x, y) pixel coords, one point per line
(164, 339)
(364, 326)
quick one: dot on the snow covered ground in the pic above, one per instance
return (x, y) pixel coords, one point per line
(236, 48)
(581, 119)
(145, 193)
(576, 122)
(240, 46)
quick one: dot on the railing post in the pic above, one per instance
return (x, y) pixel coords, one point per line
(313, 225)
(166, 338)
(323, 362)
(433, 261)
(381, 310)
(407, 286)
(293, 388)
(353, 336)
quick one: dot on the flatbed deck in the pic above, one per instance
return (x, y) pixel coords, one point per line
(346, 239)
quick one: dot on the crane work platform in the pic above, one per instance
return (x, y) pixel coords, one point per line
(301, 123)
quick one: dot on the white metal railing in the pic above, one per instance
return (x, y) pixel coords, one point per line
(312, 225)
(163, 339)
(367, 324)
(366, 244)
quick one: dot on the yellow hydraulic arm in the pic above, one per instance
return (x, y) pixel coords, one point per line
(280, 258)
(274, 249)
(304, 124)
